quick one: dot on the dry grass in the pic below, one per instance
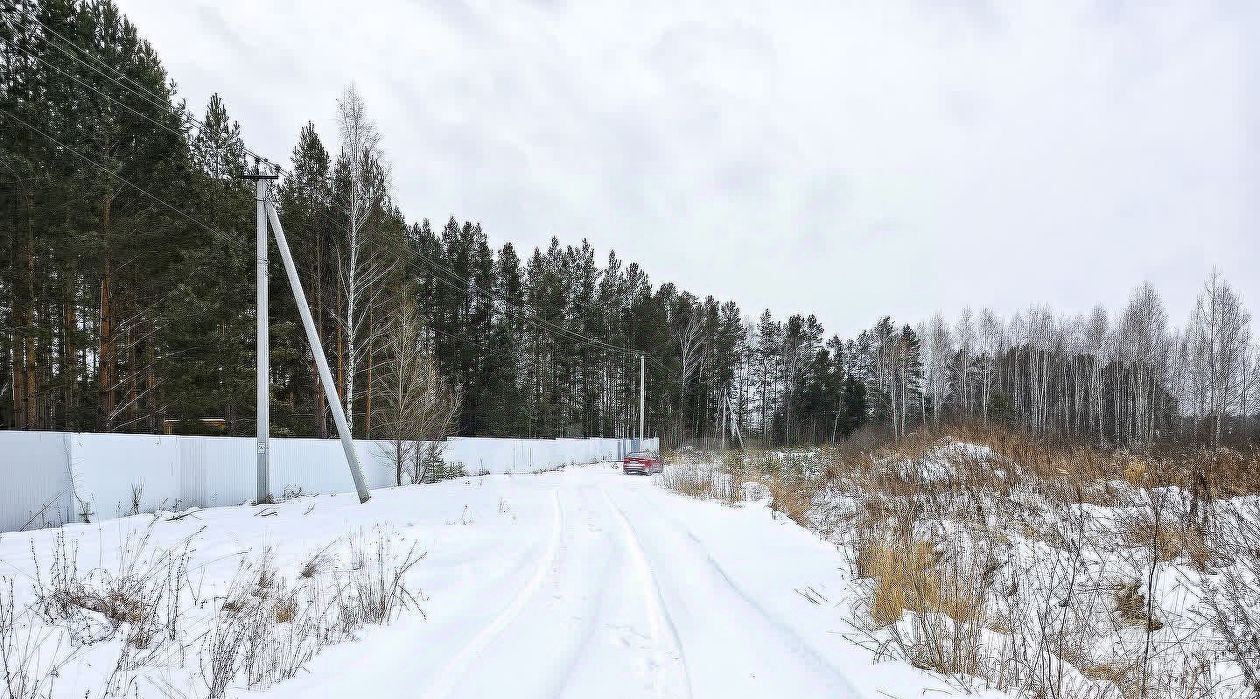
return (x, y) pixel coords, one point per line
(1131, 606)
(286, 610)
(693, 480)
(792, 499)
(138, 596)
(1172, 540)
(905, 578)
(270, 629)
(908, 576)
(30, 658)
(1118, 673)
(739, 476)
(314, 563)
(1207, 473)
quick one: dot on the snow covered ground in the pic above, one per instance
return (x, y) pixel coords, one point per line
(578, 583)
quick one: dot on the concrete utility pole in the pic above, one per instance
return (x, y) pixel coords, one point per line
(642, 395)
(732, 420)
(317, 349)
(263, 397)
(724, 419)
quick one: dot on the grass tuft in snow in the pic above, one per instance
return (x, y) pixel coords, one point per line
(31, 656)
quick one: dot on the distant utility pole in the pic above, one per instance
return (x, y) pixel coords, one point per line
(724, 401)
(642, 395)
(263, 398)
(733, 420)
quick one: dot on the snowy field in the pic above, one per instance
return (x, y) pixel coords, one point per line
(578, 583)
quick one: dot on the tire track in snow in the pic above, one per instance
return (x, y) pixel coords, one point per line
(659, 620)
(457, 666)
(590, 622)
(802, 648)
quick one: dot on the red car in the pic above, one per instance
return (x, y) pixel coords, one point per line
(642, 463)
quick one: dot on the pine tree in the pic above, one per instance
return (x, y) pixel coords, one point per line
(503, 395)
(304, 198)
(210, 329)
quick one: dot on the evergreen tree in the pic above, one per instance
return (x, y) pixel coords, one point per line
(304, 199)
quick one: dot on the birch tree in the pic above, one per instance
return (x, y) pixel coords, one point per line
(1144, 347)
(940, 349)
(1097, 331)
(418, 409)
(686, 326)
(1218, 338)
(364, 184)
(965, 336)
(990, 345)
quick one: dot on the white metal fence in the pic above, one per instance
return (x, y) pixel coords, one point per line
(49, 478)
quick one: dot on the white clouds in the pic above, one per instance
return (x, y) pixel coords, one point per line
(841, 158)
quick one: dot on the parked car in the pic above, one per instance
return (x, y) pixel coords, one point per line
(642, 463)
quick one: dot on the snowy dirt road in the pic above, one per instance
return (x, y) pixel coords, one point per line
(588, 583)
(580, 583)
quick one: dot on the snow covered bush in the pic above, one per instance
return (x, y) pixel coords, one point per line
(786, 480)
(1234, 595)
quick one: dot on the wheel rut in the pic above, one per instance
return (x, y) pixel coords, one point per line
(455, 669)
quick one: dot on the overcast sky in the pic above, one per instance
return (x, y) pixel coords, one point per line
(845, 159)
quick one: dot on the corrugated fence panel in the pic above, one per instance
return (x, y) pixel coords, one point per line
(319, 465)
(479, 454)
(229, 470)
(311, 466)
(34, 470)
(192, 472)
(151, 464)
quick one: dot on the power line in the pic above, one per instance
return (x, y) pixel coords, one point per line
(116, 77)
(433, 263)
(169, 292)
(571, 334)
(110, 173)
(111, 98)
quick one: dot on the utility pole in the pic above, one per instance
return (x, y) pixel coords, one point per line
(317, 349)
(733, 421)
(724, 395)
(642, 395)
(263, 378)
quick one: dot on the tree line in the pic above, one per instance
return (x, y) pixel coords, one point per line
(126, 297)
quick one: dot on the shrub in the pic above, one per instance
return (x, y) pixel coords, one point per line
(696, 481)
